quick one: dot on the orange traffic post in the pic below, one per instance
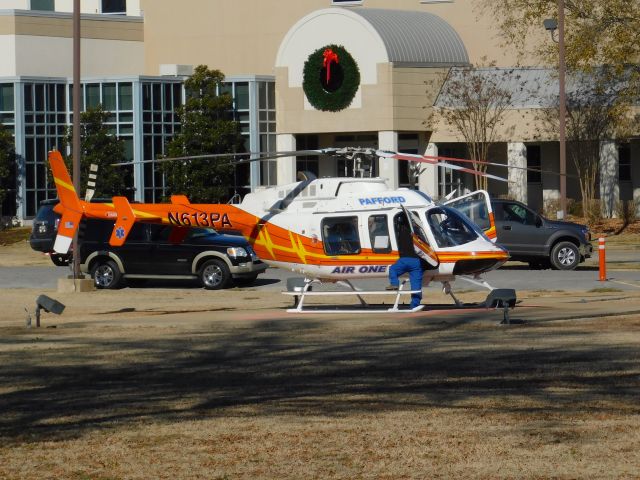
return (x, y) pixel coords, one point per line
(603, 259)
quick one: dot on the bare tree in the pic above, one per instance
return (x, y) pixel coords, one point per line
(596, 111)
(474, 100)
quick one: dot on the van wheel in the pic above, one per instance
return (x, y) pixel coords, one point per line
(565, 256)
(59, 260)
(106, 274)
(214, 275)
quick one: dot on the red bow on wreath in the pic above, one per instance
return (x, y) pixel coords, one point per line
(329, 56)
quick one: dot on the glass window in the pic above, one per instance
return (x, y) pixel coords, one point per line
(61, 99)
(46, 5)
(624, 162)
(6, 97)
(114, 6)
(109, 96)
(449, 227)
(262, 95)
(125, 94)
(146, 96)
(28, 97)
(379, 234)
(475, 208)
(534, 161)
(167, 97)
(514, 212)
(340, 236)
(177, 95)
(93, 95)
(242, 96)
(157, 95)
(39, 89)
(271, 95)
(138, 232)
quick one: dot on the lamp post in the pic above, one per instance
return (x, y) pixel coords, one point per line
(76, 124)
(553, 25)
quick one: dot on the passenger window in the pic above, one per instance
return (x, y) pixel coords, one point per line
(517, 213)
(94, 230)
(138, 233)
(160, 233)
(340, 236)
(379, 234)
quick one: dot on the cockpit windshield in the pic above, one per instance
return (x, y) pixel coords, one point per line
(450, 228)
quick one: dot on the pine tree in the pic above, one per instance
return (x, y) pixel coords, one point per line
(207, 127)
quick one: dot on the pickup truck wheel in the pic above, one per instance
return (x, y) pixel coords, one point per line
(214, 275)
(565, 256)
(106, 274)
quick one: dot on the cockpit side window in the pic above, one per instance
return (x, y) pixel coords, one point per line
(449, 227)
(340, 236)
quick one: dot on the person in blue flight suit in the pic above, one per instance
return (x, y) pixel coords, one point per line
(409, 262)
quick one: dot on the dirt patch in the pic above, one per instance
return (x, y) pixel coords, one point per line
(20, 253)
(9, 236)
(192, 384)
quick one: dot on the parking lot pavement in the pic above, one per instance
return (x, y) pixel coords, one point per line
(515, 276)
(621, 273)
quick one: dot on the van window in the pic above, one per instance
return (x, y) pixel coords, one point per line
(340, 236)
(138, 233)
(94, 230)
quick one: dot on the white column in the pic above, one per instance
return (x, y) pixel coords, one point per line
(286, 169)
(517, 157)
(609, 187)
(387, 167)
(428, 181)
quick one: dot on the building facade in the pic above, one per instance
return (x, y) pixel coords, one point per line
(137, 53)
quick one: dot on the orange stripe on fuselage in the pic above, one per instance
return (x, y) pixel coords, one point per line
(270, 241)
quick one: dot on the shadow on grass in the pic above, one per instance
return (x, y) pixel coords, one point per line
(279, 367)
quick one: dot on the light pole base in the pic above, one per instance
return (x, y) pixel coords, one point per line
(72, 285)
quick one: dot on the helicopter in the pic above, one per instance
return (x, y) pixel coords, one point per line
(330, 230)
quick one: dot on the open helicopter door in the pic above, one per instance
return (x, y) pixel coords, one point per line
(477, 206)
(419, 238)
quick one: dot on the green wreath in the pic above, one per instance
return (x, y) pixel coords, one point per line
(330, 78)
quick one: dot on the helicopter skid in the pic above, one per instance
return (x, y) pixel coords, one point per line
(301, 292)
(370, 308)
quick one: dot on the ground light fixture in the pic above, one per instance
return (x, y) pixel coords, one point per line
(47, 304)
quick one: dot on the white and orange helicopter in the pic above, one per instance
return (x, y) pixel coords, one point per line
(330, 230)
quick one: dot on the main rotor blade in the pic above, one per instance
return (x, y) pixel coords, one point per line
(434, 159)
(295, 153)
(261, 156)
(494, 164)
(421, 159)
